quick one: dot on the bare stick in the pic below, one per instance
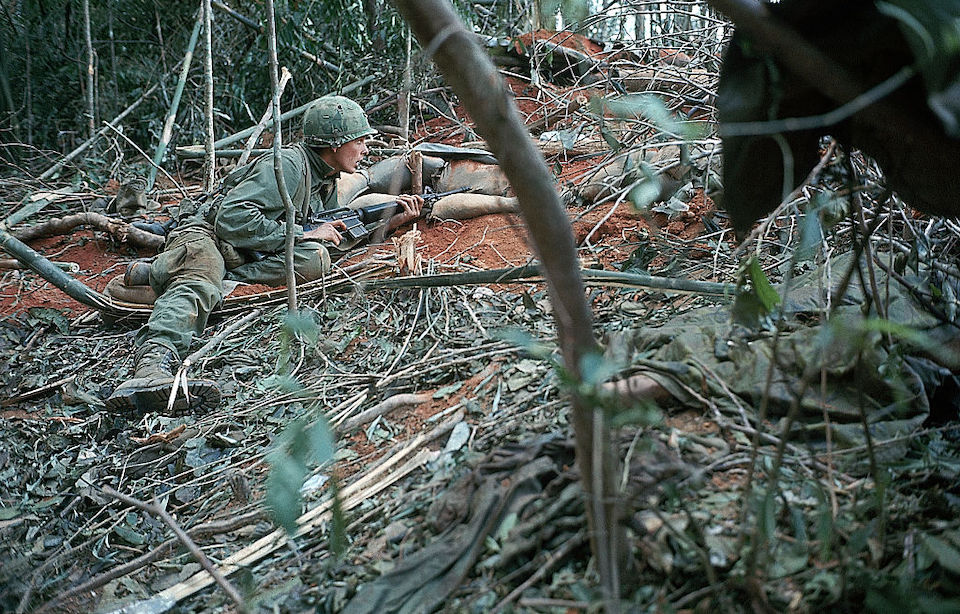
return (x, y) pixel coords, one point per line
(384, 407)
(91, 105)
(156, 509)
(267, 115)
(278, 161)
(210, 160)
(473, 77)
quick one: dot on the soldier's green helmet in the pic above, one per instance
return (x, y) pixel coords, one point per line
(332, 121)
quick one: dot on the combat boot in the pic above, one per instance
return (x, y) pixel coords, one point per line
(152, 382)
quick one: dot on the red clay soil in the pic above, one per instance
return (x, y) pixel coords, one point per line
(604, 233)
(577, 42)
(100, 259)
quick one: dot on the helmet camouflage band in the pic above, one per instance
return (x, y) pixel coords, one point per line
(332, 121)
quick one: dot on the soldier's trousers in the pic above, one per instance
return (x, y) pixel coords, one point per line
(188, 279)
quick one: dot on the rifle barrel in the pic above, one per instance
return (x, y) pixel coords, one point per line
(379, 211)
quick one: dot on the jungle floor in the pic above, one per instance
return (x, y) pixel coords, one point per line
(451, 483)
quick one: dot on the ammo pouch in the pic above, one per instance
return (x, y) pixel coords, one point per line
(232, 257)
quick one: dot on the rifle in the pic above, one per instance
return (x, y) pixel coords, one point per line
(357, 219)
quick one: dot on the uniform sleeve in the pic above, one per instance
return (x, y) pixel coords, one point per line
(252, 216)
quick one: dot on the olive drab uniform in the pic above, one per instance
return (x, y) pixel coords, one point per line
(238, 234)
(242, 238)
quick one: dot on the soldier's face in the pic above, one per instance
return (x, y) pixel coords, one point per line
(348, 156)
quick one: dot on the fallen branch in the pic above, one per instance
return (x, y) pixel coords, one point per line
(154, 508)
(384, 407)
(202, 530)
(531, 274)
(11, 264)
(122, 231)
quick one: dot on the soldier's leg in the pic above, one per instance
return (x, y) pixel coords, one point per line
(188, 277)
(311, 261)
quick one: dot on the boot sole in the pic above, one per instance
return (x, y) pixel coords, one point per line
(142, 399)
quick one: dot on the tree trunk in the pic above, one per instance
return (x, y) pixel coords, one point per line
(486, 98)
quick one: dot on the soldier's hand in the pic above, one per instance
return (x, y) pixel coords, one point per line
(328, 231)
(412, 206)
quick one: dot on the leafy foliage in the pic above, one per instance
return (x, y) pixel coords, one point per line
(299, 446)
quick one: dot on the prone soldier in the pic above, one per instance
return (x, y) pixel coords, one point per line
(241, 233)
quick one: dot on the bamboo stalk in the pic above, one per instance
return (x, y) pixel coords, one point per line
(175, 103)
(533, 274)
(403, 98)
(210, 159)
(50, 172)
(43, 267)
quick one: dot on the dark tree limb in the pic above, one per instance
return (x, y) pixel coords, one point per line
(124, 232)
(474, 78)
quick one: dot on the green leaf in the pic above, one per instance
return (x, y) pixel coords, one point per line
(281, 383)
(610, 138)
(764, 291)
(299, 446)
(302, 325)
(810, 236)
(945, 553)
(283, 491)
(595, 368)
(799, 524)
(8, 513)
(650, 107)
(646, 191)
(129, 535)
(525, 341)
(446, 391)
